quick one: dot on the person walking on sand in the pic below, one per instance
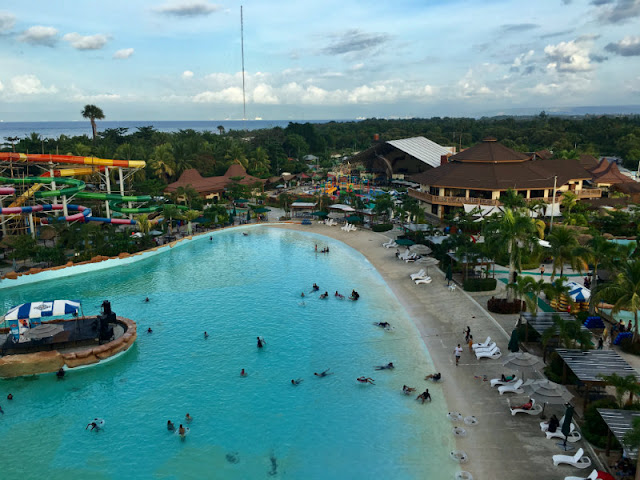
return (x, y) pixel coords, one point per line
(457, 352)
(470, 343)
(467, 332)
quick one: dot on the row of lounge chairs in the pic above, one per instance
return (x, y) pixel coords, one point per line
(420, 277)
(348, 227)
(486, 349)
(390, 244)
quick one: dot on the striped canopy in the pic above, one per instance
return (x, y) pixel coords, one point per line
(52, 308)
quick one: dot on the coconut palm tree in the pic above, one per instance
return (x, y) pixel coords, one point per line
(601, 251)
(170, 212)
(624, 290)
(532, 289)
(143, 223)
(93, 113)
(627, 384)
(511, 199)
(190, 216)
(569, 333)
(162, 162)
(565, 249)
(510, 234)
(556, 290)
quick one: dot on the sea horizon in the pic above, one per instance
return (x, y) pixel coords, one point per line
(83, 127)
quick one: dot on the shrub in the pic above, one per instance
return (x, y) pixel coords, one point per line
(629, 346)
(479, 284)
(502, 305)
(582, 317)
(382, 227)
(594, 429)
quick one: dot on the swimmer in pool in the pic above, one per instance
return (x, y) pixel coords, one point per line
(147, 300)
(324, 295)
(60, 373)
(325, 373)
(298, 381)
(388, 366)
(188, 418)
(424, 396)
(261, 342)
(149, 330)
(206, 335)
(407, 390)
(341, 297)
(434, 376)
(170, 426)
(181, 431)
(364, 379)
(243, 373)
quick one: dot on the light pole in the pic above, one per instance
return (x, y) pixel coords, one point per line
(553, 203)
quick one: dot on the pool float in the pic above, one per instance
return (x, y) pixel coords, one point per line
(454, 416)
(459, 456)
(462, 475)
(99, 423)
(459, 432)
(470, 420)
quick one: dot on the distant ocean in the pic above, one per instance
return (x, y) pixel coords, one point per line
(72, 129)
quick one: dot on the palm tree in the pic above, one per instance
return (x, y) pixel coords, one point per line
(220, 129)
(143, 223)
(601, 251)
(510, 234)
(384, 203)
(625, 289)
(162, 162)
(556, 290)
(92, 113)
(170, 211)
(532, 289)
(569, 333)
(190, 216)
(565, 249)
(511, 199)
(627, 384)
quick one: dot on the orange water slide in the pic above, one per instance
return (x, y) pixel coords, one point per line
(28, 194)
(72, 172)
(47, 158)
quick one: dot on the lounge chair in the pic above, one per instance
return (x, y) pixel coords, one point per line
(498, 381)
(483, 344)
(494, 353)
(512, 388)
(388, 242)
(574, 435)
(489, 347)
(412, 258)
(418, 275)
(536, 409)
(391, 245)
(423, 280)
(352, 228)
(579, 460)
(544, 426)
(592, 476)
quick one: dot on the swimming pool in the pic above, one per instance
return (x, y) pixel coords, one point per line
(235, 287)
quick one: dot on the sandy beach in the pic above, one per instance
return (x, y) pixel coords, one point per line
(500, 446)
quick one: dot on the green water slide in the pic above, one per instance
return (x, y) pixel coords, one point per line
(115, 205)
(74, 185)
(114, 196)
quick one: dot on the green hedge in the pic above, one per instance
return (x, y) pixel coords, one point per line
(479, 284)
(594, 429)
(382, 227)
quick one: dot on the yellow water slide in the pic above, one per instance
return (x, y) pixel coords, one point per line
(26, 195)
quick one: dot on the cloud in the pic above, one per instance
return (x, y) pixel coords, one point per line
(354, 41)
(231, 95)
(188, 9)
(40, 35)
(617, 11)
(29, 85)
(97, 98)
(627, 47)
(1, 87)
(570, 57)
(518, 27)
(124, 53)
(556, 34)
(187, 74)
(86, 42)
(7, 21)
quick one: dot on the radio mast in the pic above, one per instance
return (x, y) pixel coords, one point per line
(244, 102)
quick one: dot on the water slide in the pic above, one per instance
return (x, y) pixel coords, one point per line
(83, 212)
(7, 190)
(71, 172)
(72, 185)
(47, 158)
(23, 198)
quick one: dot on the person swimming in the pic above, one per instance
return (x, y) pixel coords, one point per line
(243, 373)
(149, 330)
(182, 431)
(315, 288)
(10, 397)
(60, 373)
(385, 325)
(297, 381)
(147, 300)
(407, 390)
(424, 396)
(324, 374)
(206, 335)
(245, 234)
(188, 418)
(341, 297)
(261, 342)
(354, 295)
(324, 295)
(388, 366)
(434, 376)
(364, 379)
(170, 426)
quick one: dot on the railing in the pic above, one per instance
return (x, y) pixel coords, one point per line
(458, 201)
(589, 193)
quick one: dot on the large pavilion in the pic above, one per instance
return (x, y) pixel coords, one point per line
(480, 175)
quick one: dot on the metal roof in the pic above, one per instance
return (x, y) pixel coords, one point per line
(543, 320)
(620, 422)
(302, 205)
(589, 364)
(421, 148)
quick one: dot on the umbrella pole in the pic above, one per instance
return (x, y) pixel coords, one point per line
(542, 415)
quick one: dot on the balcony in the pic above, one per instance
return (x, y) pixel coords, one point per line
(589, 193)
(452, 201)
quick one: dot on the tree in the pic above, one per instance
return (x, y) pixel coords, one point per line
(565, 249)
(511, 234)
(624, 290)
(556, 290)
(24, 247)
(143, 223)
(217, 213)
(190, 216)
(569, 333)
(220, 129)
(627, 384)
(162, 162)
(384, 203)
(600, 251)
(511, 199)
(170, 211)
(93, 113)
(532, 289)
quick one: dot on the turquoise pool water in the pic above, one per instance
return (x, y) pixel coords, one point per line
(235, 287)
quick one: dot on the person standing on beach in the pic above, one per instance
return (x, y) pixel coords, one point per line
(470, 343)
(457, 351)
(467, 333)
(541, 271)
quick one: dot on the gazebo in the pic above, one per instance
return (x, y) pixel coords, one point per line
(619, 422)
(590, 364)
(543, 321)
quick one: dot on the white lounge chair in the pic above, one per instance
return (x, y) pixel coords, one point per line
(391, 245)
(513, 388)
(489, 347)
(388, 242)
(579, 460)
(544, 426)
(494, 353)
(498, 381)
(536, 409)
(592, 476)
(418, 275)
(352, 228)
(483, 344)
(423, 280)
(574, 435)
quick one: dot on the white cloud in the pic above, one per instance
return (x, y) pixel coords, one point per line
(29, 85)
(40, 35)
(232, 95)
(86, 42)
(187, 74)
(264, 94)
(570, 57)
(189, 9)
(471, 85)
(1, 87)
(7, 21)
(522, 59)
(123, 53)
(100, 97)
(627, 47)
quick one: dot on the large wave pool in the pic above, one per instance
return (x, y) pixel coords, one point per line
(235, 287)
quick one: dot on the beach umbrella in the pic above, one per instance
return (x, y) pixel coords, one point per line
(420, 249)
(320, 214)
(513, 341)
(523, 361)
(565, 428)
(405, 241)
(241, 200)
(354, 218)
(547, 392)
(262, 210)
(427, 262)
(44, 330)
(155, 233)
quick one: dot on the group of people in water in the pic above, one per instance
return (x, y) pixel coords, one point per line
(324, 250)
(315, 288)
(182, 431)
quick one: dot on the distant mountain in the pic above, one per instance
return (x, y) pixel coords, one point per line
(567, 111)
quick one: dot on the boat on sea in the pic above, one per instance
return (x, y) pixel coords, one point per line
(43, 337)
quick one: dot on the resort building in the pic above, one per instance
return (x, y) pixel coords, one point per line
(213, 187)
(396, 159)
(480, 175)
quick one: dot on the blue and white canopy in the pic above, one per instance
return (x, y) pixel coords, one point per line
(53, 308)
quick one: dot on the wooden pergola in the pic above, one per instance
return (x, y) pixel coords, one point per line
(542, 321)
(619, 422)
(588, 365)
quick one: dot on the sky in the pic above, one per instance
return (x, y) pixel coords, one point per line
(328, 60)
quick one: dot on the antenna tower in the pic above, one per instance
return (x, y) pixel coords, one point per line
(244, 103)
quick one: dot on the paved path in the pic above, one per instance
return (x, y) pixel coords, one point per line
(500, 446)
